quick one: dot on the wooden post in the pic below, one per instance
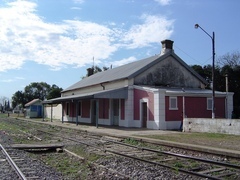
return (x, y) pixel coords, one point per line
(62, 112)
(97, 112)
(51, 112)
(43, 112)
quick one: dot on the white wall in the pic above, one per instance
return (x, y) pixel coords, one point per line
(56, 111)
(225, 126)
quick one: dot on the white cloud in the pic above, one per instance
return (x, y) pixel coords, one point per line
(76, 8)
(153, 30)
(20, 78)
(78, 1)
(7, 80)
(123, 61)
(26, 36)
(164, 2)
(12, 79)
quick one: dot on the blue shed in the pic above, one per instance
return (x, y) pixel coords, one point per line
(34, 109)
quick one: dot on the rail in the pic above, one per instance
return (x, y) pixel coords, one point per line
(12, 163)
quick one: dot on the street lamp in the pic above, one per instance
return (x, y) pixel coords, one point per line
(213, 67)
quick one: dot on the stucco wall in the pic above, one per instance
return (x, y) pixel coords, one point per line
(226, 126)
(168, 72)
(56, 112)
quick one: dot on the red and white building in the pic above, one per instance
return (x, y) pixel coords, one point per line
(156, 93)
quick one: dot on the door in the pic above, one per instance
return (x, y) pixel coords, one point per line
(144, 114)
(116, 112)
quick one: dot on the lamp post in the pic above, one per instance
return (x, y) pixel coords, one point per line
(213, 67)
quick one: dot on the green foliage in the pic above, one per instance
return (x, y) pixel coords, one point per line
(131, 141)
(94, 70)
(35, 90)
(227, 64)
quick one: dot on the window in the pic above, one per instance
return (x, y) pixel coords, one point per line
(209, 103)
(79, 108)
(173, 103)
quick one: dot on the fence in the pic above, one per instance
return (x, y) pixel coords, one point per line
(225, 126)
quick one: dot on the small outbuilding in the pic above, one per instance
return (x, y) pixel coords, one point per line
(34, 109)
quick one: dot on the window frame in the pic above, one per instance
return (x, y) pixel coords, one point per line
(209, 104)
(171, 104)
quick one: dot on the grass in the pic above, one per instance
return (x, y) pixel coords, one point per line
(3, 115)
(71, 167)
(213, 139)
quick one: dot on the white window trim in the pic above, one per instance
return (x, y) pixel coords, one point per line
(170, 104)
(209, 100)
(140, 106)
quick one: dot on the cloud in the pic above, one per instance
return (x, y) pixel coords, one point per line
(7, 80)
(78, 1)
(123, 61)
(12, 79)
(76, 8)
(153, 29)
(164, 2)
(25, 36)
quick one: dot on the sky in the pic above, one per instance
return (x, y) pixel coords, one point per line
(55, 41)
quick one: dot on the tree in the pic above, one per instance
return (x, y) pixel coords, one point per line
(18, 98)
(94, 70)
(230, 59)
(228, 64)
(3, 104)
(35, 90)
(54, 92)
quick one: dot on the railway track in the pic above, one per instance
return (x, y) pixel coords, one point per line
(138, 159)
(10, 163)
(194, 166)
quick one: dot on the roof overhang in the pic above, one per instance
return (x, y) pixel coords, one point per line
(121, 93)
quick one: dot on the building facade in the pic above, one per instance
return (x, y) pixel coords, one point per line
(154, 93)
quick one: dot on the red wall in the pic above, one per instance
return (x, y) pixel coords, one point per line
(173, 115)
(104, 108)
(195, 107)
(140, 94)
(86, 108)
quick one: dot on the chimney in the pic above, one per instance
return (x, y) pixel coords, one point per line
(167, 45)
(90, 71)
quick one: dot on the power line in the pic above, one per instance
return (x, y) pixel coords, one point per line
(201, 63)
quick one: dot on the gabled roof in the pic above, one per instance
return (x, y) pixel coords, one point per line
(128, 71)
(32, 102)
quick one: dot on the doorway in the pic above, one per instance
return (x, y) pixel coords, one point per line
(144, 114)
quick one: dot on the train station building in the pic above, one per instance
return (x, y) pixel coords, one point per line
(154, 93)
